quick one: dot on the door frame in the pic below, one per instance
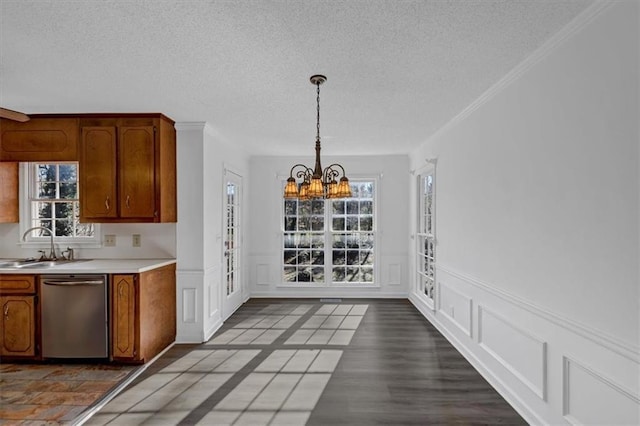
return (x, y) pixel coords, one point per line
(230, 303)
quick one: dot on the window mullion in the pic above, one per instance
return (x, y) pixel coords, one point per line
(328, 243)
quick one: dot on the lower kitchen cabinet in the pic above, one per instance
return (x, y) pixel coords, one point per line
(143, 314)
(18, 304)
(18, 326)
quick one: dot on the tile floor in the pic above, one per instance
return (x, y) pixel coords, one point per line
(36, 394)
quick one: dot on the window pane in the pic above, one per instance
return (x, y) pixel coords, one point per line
(63, 228)
(339, 257)
(366, 207)
(317, 241)
(338, 223)
(43, 210)
(367, 274)
(338, 207)
(338, 274)
(46, 190)
(67, 173)
(318, 274)
(366, 223)
(290, 223)
(317, 223)
(63, 210)
(366, 258)
(290, 274)
(290, 257)
(317, 207)
(289, 240)
(352, 223)
(352, 207)
(84, 230)
(317, 257)
(290, 207)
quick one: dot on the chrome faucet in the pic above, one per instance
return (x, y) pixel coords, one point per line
(52, 254)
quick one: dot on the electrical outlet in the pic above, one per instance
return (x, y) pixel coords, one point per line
(137, 241)
(110, 240)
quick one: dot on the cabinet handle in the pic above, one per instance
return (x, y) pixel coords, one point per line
(107, 204)
(128, 203)
(6, 311)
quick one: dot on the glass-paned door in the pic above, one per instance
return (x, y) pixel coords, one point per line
(232, 239)
(425, 250)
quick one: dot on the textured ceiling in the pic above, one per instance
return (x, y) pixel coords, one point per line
(397, 70)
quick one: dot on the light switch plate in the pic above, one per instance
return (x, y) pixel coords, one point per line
(137, 240)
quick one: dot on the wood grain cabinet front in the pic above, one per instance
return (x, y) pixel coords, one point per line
(127, 169)
(123, 328)
(18, 328)
(9, 204)
(18, 334)
(42, 138)
(143, 314)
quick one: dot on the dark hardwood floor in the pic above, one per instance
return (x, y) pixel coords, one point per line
(307, 361)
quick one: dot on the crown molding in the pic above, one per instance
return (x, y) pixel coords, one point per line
(573, 27)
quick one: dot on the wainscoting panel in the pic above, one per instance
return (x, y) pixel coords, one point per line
(581, 383)
(456, 307)
(262, 274)
(189, 304)
(551, 369)
(523, 354)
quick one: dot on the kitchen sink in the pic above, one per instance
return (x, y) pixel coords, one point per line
(34, 263)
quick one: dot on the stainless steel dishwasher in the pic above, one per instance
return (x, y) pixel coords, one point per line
(75, 320)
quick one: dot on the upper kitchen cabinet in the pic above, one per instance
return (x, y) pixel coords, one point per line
(42, 138)
(9, 192)
(127, 168)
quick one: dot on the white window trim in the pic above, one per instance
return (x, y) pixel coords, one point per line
(32, 241)
(329, 283)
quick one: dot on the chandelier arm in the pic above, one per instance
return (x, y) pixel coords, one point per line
(330, 173)
(300, 173)
(336, 173)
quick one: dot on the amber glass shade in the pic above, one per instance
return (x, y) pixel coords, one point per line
(304, 191)
(291, 189)
(344, 189)
(332, 189)
(316, 189)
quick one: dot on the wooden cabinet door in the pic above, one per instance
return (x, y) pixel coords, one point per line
(136, 160)
(39, 139)
(9, 193)
(98, 173)
(123, 296)
(17, 336)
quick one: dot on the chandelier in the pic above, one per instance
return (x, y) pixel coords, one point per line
(317, 182)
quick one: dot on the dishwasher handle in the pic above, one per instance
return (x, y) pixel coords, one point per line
(63, 282)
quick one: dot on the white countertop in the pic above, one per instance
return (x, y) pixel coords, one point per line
(97, 266)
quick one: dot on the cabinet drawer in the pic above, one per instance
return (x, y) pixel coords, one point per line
(17, 284)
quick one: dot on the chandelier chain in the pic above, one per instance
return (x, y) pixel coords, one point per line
(318, 112)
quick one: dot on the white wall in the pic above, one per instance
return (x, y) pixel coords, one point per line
(202, 158)
(537, 195)
(158, 240)
(265, 225)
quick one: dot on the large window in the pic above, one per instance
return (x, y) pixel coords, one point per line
(53, 201)
(330, 241)
(425, 236)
